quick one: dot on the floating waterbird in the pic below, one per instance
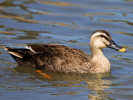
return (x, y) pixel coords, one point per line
(59, 58)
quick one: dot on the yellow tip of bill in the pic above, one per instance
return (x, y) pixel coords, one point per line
(122, 50)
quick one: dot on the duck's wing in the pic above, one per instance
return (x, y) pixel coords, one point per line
(58, 57)
(59, 50)
(48, 54)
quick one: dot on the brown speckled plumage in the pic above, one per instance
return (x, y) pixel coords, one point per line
(59, 58)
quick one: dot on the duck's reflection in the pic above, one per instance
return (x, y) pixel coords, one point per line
(99, 87)
(94, 85)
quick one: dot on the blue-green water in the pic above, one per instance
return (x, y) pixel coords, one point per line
(70, 23)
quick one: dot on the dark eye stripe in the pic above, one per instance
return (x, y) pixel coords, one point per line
(104, 37)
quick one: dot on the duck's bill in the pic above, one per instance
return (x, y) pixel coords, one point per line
(114, 46)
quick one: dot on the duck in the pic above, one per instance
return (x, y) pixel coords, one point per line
(60, 58)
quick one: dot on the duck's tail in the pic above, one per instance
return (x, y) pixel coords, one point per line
(20, 55)
(13, 52)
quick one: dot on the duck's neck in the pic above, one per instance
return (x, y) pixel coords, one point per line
(96, 52)
(101, 63)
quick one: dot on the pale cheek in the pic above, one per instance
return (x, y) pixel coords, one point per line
(99, 44)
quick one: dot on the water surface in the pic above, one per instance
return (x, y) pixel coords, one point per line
(70, 23)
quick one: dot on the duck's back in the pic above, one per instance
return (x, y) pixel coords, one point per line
(51, 57)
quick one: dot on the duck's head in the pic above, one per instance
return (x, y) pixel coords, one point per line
(101, 39)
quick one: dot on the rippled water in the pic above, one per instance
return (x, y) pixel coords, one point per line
(70, 23)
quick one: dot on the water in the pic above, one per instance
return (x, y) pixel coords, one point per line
(70, 23)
